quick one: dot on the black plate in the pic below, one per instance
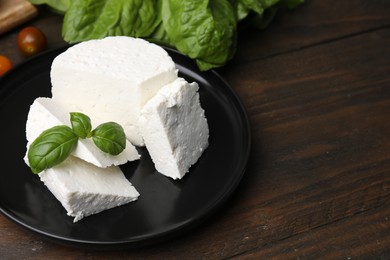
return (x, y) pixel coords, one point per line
(165, 207)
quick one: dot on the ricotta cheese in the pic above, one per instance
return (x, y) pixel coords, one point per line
(84, 189)
(111, 79)
(45, 113)
(174, 128)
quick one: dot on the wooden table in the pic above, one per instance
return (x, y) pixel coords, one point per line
(316, 86)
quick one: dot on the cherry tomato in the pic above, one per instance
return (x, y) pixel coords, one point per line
(31, 41)
(5, 65)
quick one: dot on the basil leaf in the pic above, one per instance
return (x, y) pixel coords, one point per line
(91, 19)
(204, 30)
(52, 147)
(81, 124)
(110, 138)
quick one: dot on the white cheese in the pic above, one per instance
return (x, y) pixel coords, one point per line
(111, 79)
(84, 189)
(45, 113)
(174, 128)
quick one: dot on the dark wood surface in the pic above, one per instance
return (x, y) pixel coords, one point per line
(316, 86)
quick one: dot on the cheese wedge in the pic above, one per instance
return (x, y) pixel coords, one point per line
(45, 113)
(174, 128)
(111, 79)
(84, 189)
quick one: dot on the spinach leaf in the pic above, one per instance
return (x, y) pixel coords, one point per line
(160, 36)
(58, 6)
(204, 30)
(244, 7)
(110, 138)
(91, 19)
(262, 21)
(52, 147)
(81, 124)
(262, 11)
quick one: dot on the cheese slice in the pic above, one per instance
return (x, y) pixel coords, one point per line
(45, 113)
(84, 189)
(174, 128)
(111, 79)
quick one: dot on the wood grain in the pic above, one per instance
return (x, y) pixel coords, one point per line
(14, 13)
(362, 237)
(317, 22)
(316, 86)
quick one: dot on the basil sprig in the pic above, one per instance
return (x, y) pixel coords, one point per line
(55, 144)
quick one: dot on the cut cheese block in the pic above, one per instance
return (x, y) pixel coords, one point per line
(174, 128)
(45, 113)
(84, 189)
(111, 79)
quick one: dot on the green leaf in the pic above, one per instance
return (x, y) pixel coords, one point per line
(58, 6)
(245, 7)
(52, 147)
(81, 124)
(262, 21)
(110, 138)
(203, 29)
(91, 19)
(261, 12)
(160, 35)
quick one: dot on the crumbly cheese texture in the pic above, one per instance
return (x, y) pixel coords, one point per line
(45, 113)
(174, 128)
(84, 189)
(111, 79)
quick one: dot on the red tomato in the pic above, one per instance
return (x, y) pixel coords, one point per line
(5, 65)
(31, 41)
